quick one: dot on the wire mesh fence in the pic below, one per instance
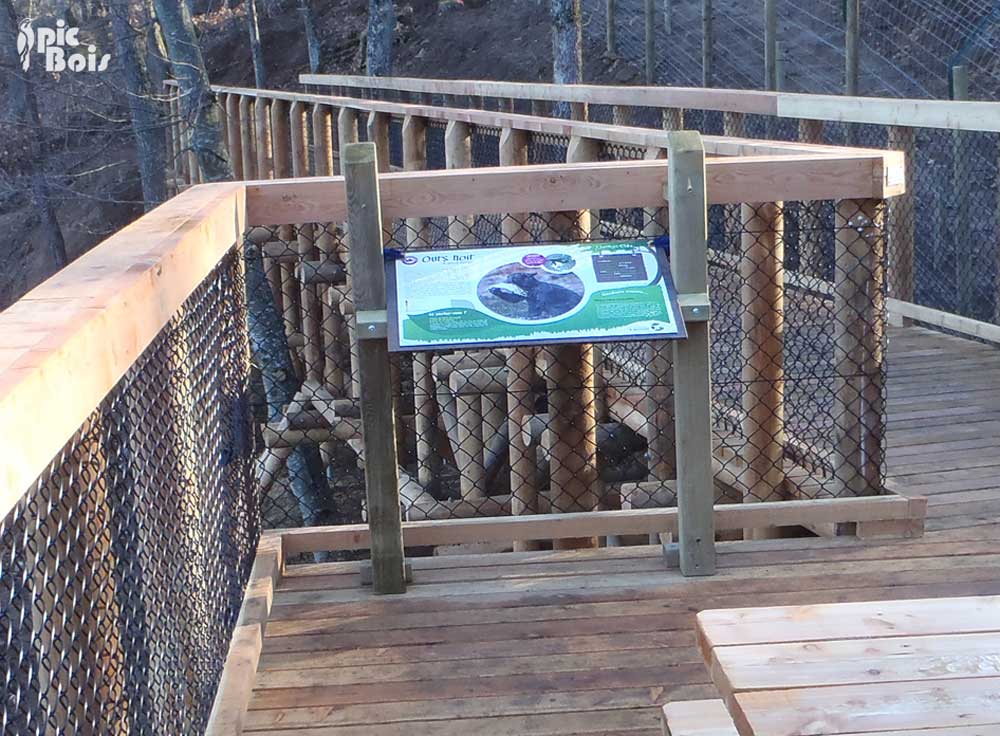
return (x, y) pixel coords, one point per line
(122, 569)
(798, 293)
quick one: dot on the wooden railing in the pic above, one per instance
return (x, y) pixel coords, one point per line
(903, 119)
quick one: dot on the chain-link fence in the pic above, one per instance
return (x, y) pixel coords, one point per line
(123, 567)
(907, 47)
(797, 364)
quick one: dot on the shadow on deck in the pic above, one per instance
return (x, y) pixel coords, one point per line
(588, 642)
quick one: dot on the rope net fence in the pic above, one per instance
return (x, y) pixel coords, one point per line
(122, 569)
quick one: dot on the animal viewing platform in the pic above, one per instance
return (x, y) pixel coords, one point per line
(237, 500)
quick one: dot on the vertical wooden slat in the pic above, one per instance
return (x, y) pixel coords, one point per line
(811, 260)
(521, 373)
(381, 469)
(417, 234)
(707, 44)
(262, 135)
(762, 352)
(234, 138)
(852, 43)
(281, 155)
(570, 373)
(311, 316)
(246, 138)
(458, 155)
(770, 44)
(347, 133)
(692, 363)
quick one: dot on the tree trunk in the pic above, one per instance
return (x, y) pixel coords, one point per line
(381, 24)
(256, 51)
(312, 40)
(24, 107)
(156, 50)
(567, 47)
(146, 124)
(198, 105)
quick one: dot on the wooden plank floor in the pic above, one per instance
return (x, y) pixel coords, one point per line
(589, 642)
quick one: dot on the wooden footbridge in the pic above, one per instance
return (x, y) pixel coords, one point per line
(167, 395)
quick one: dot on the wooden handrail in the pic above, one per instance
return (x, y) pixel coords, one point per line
(625, 135)
(945, 114)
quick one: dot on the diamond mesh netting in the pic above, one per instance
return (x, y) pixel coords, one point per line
(797, 347)
(123, 567)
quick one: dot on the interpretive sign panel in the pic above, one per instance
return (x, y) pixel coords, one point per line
(531, 294)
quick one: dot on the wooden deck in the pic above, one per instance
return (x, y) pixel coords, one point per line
(589, 642)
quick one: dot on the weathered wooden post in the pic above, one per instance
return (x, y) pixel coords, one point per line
(687, 196)
(521, 373)
(280, 143)
(901, 221)
(852, 43)
(770, 45)
(707, 44)
(762, 350)
(378, 428)
(650, 15)
(612, 30)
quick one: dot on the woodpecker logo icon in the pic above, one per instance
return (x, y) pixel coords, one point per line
(25, 43)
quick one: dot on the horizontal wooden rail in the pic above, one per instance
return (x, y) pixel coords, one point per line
(625, 135)
(944, 114)
(602, 523)
(555, 187)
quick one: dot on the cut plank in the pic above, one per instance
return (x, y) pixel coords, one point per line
(697, 718)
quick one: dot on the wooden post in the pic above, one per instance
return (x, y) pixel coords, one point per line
(780, 67)
(966, 259)
(381, 466)
(658, 380)
(347, 133)
(311, 308)
(280, 143)
(852, 38)
(733, 125)
(650, 14)
(246, 138)
(692, 363)
(521, 373)
(668, 16)
(762, 301)
(901, 219)
(858, 334)
(672, 118)
(570, 373)
(621, 115)
(333, 355)
(811, 260)
(707, 44)
(234, 138)
(173, 144)
(469, 455)
(612, 30)
(415, 159)
(263, 138)
(378, 133)
(770, 44)
(458, 155)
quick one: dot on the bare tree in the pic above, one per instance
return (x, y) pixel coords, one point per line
(198, 105)
(312, 39)
(147, 127)
(25, 118)
(567, 46)
(381, 27)
(256, 51)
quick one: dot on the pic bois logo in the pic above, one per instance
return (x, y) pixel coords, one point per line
(59, 48)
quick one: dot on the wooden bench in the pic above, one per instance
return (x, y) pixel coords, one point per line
(697, 718)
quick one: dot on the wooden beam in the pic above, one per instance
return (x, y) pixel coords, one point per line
(368, 281)
(692, 372)
(558, 187)
(94, 318)
(603, 523)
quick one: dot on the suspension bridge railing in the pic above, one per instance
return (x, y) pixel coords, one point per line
(942, 235)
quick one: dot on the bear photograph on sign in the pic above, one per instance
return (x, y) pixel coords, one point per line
(533, 294)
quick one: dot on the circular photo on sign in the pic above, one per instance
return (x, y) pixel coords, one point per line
(517, 292)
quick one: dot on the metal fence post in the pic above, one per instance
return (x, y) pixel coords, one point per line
(687, 198)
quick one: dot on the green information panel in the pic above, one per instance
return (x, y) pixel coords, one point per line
(531, 294)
